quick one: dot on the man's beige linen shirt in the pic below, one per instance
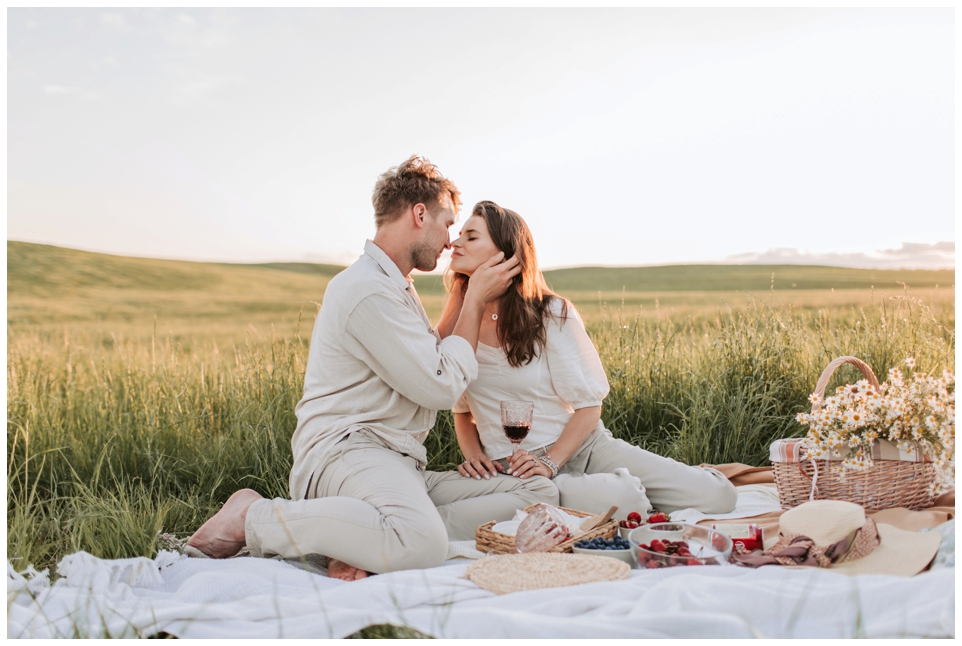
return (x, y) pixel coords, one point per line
(375, 362)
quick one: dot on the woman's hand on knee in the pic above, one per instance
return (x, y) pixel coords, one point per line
(479, 466)
(523, 465)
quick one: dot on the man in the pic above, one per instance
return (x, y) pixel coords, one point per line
(376, 375)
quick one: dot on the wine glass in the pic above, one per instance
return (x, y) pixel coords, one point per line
(516, 421)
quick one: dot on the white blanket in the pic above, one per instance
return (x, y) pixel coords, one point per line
(263, 598)
(753, 500)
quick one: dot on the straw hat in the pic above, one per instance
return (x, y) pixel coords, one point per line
(870, 548)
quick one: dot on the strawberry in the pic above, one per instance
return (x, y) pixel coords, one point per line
(634, 516)
(658, 546)
(651, 565)
(658, 518)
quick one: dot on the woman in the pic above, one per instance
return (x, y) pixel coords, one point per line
(533, 346)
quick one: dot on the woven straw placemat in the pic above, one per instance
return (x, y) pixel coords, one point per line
(506, 573)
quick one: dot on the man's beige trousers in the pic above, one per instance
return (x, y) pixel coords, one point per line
(371, 507)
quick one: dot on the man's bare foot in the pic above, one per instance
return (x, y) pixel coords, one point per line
(223, 535)
(341, 570)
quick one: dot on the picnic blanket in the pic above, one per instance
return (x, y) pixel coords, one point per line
(264, 598)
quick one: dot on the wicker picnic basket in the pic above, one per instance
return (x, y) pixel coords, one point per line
(888, 483)
(491, 542)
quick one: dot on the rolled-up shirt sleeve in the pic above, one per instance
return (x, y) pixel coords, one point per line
(392, 339)
(573, 362)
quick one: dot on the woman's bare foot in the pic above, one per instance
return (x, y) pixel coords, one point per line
(223, 535)
(341, 570)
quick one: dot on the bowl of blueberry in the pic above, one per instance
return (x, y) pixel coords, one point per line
(616, 547)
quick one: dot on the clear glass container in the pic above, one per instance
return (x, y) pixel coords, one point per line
(705, 546)
(543, 528)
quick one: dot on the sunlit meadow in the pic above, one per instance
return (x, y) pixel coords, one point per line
(122, 428)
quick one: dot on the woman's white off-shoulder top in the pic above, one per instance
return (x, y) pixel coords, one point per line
(566, 376)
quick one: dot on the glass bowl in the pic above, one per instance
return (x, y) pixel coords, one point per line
(707, 547)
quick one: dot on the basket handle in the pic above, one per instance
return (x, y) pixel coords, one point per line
(830, 370)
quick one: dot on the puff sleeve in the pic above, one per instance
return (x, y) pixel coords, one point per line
(461, 406)
(577, 375)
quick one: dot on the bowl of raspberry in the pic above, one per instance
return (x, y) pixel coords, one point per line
(659, 545)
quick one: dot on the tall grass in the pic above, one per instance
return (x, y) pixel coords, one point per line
(723, 389)
(111, 442)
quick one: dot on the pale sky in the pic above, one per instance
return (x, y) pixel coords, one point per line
(622, 136)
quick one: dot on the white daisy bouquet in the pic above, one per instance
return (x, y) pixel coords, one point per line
(913, 410)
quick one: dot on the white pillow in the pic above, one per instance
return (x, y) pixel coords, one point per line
(596, 492)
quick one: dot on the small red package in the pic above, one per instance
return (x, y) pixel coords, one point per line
(751, 536)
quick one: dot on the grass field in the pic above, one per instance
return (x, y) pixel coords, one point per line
(141, 393)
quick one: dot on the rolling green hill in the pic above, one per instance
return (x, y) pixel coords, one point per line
(57, 271)
(675, 278)
(49, 285)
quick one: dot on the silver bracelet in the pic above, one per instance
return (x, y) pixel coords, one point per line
(545, 460)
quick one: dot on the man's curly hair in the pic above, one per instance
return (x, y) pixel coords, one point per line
(415, 181)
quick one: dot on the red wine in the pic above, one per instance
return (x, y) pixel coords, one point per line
(516, 432)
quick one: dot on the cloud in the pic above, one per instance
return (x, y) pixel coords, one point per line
(63, 90)
(113, 19)
(922, 250)
(911, 255)
(57, 89)
(213, 40)
(197, 86)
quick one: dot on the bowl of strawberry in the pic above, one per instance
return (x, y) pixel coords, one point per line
(660, 545)
(634, 521)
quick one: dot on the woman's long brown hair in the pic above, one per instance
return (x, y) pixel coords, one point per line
(524, 307)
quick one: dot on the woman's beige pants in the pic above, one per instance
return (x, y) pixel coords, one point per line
(666, 484)
(374, 509)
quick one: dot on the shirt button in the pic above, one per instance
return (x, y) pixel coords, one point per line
(439, 372)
